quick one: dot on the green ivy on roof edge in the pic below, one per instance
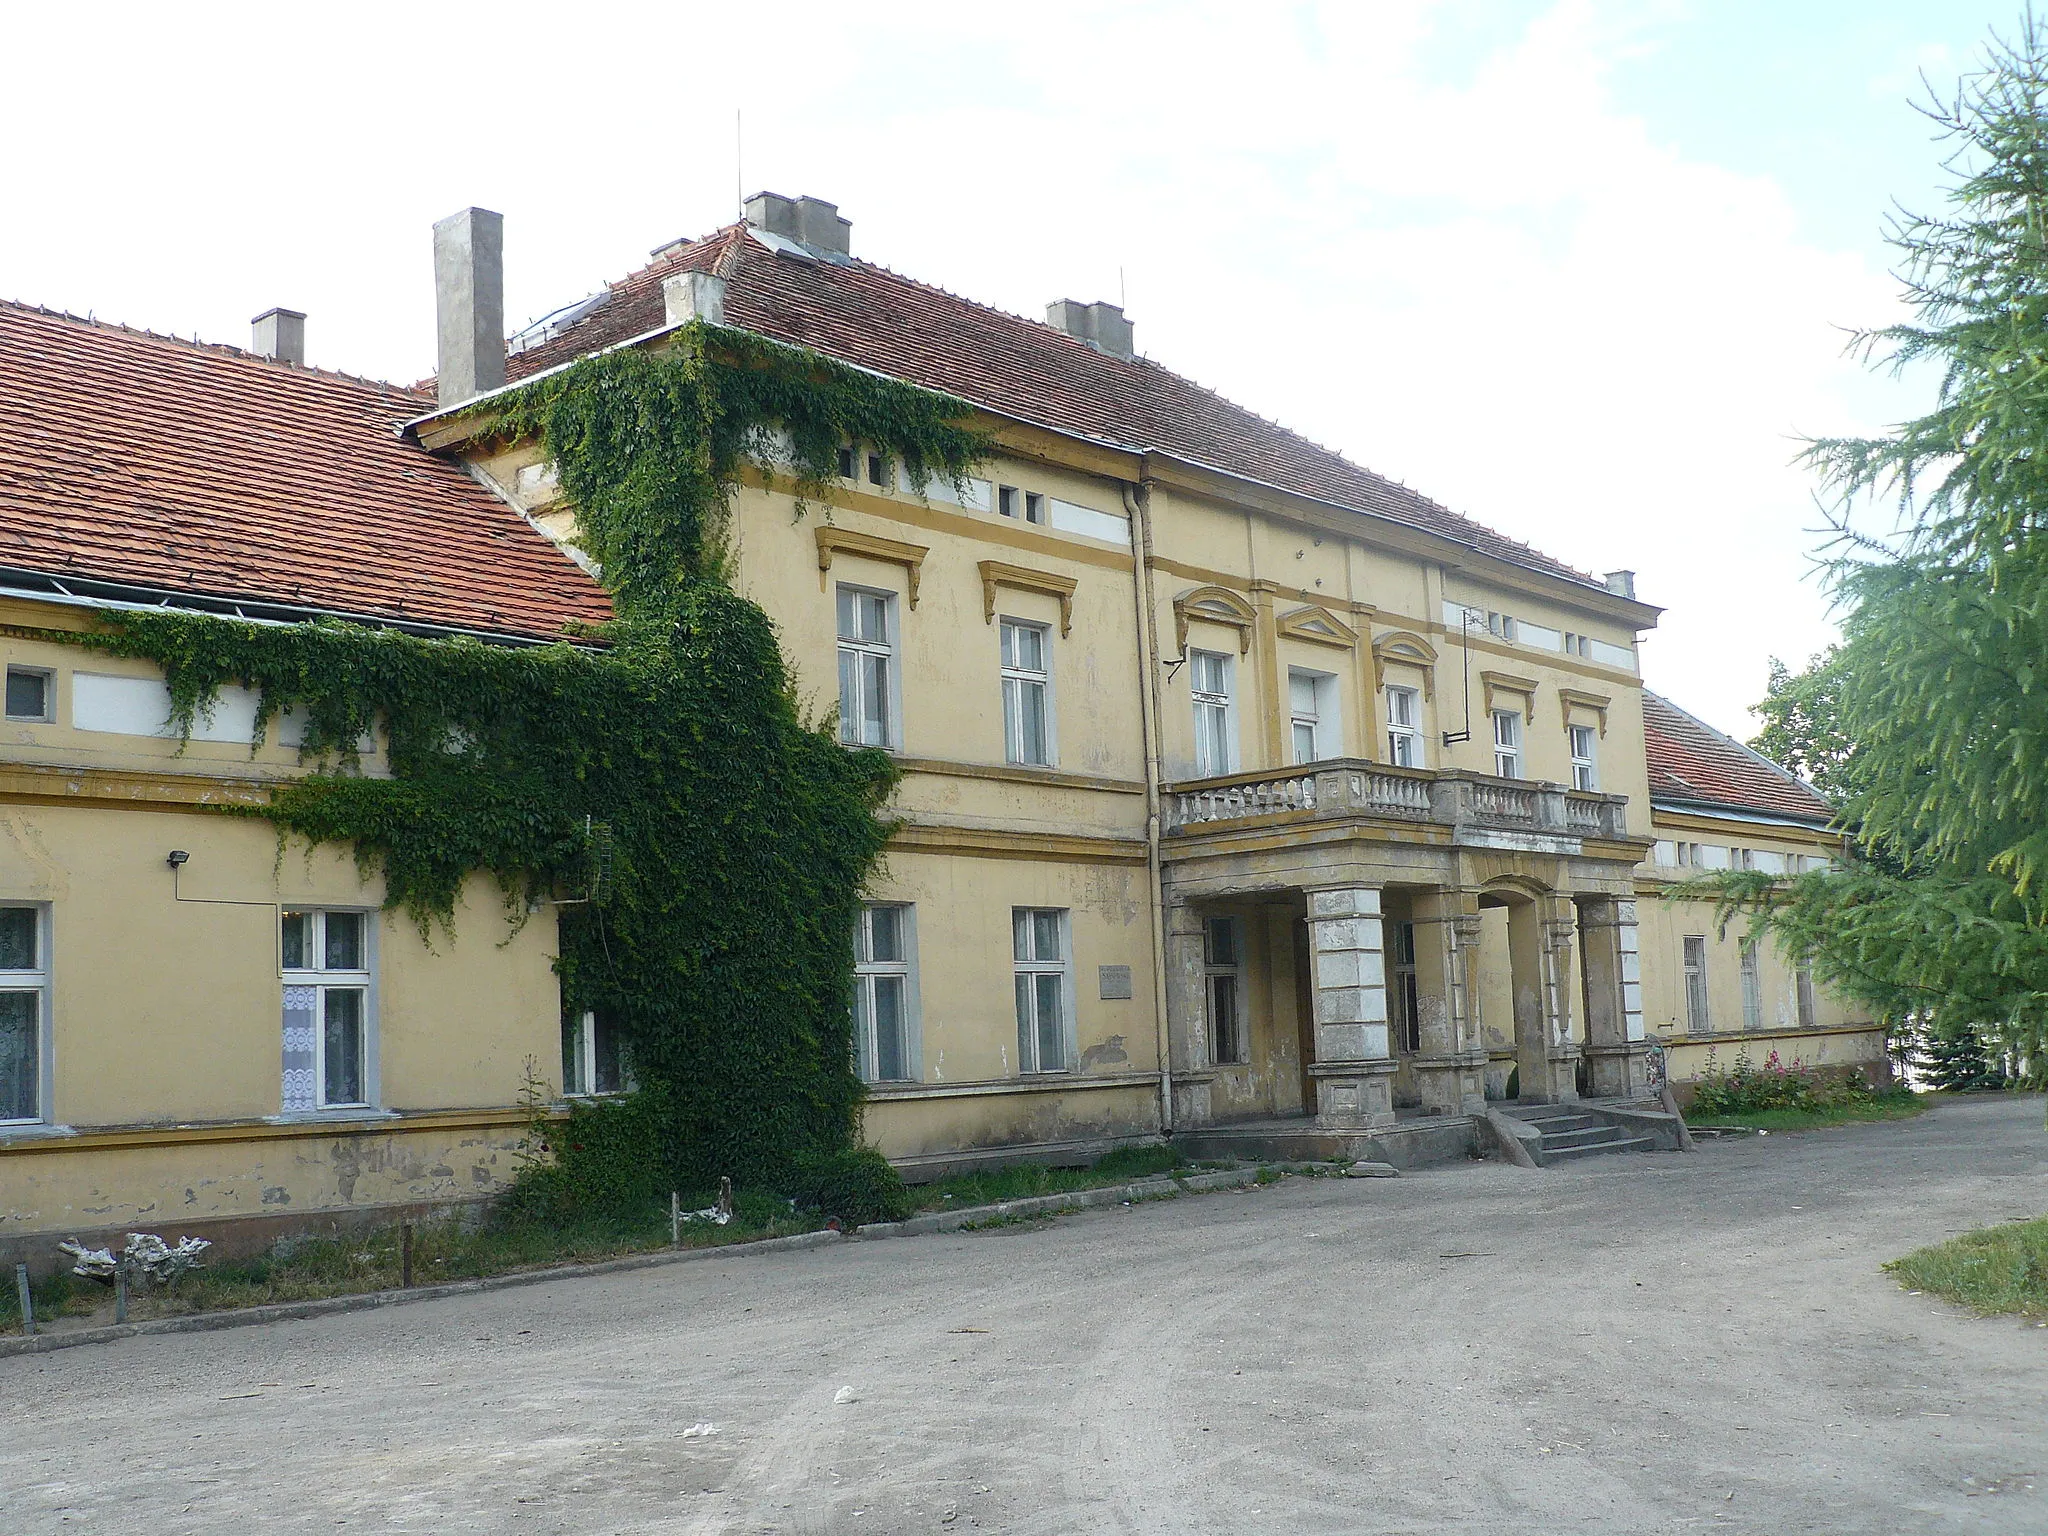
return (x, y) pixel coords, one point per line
(716, 843)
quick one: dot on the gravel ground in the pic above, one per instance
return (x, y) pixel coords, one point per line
(1630, 1345)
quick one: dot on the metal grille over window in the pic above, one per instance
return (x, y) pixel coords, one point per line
(1223, 963)
(24, 989)
(1209, 679)
(326, 1060)
(1039, 936)
(881, 994)
(1027, 679)
(866, 664)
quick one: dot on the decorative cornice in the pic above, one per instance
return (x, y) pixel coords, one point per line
(1508, 682)
(994, 573)
(1571, 698)
(1317, 625)
(832, 539)
(1214, 605)
(1406, 648)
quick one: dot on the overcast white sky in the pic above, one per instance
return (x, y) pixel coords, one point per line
(1578, 269)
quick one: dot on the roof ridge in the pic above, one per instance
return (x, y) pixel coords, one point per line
(194, 343)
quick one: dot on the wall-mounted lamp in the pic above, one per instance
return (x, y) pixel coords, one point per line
(176, 857)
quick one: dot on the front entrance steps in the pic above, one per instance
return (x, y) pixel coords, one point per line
(1571, 1131)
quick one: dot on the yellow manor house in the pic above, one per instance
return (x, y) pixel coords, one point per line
(1248, 797)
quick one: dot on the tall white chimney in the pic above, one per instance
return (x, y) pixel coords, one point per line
(469, 303)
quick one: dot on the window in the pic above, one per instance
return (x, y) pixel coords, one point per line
(1585, 767)
(1503, 625)
(1010, 502)
(881, 995)
(867, 668)
(593, 1057)
(849, 462)
(1222, 960)
(1752, 987)
(1312, 699)
(1696, 983)
(31, 692)
(24, 1009)
(878, 471)
(1577, 645)
(1027, 689)
(1040, 935)
(1404, 727)
(1215, 729)
(326, 1011)
(1407, 1004)
(1507, 743)
(1803, 979)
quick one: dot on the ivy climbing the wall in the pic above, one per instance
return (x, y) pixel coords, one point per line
(659, 775)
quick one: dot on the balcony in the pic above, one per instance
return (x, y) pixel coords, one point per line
(1477, 808)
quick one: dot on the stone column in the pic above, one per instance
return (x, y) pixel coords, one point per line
(1187, 1015)
(1354, 1067)
(1450, 1067)
(1560, 943)
(1615, 1046)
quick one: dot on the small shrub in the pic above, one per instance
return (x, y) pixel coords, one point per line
(858, 1186)
(604, 1161)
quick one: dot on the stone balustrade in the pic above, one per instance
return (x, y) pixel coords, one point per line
(1348, 787)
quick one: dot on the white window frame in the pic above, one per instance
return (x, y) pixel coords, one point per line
(1320, 717)
(1404, 727)
(1698, 1013)
(35, 981)
(323, 981)
(49, 680)
(1020, 685)
(1585, 750)
(862, 649)
(1752, 984)
(579, 1060)
(1210, 705)
(868, 974)
(1030, 965)
(1507, 743)
(1223, 991)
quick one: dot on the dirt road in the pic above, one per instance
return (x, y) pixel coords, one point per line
(1630, 1345)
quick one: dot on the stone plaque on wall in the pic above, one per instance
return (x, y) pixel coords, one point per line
(1115, 981)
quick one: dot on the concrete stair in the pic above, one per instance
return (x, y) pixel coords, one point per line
(1570, 1133)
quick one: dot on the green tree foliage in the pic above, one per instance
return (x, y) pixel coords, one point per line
(1930, 721)
(1802, 713)
(713, 843)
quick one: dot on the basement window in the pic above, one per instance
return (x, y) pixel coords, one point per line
(31, 693)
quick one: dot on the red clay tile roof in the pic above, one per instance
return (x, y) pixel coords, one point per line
(869, 315)
(1691, 762)
(134, 458)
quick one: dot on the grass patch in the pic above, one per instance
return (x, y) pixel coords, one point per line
(1894, 1104)
(1992, 1271)
(1022, 1181)
(313, 1269)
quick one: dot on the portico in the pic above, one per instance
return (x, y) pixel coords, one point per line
(1454, 936)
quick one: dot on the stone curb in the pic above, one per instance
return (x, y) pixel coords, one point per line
(937, 1221)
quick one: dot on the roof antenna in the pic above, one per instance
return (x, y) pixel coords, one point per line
(1121, 301)
(739, 178)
